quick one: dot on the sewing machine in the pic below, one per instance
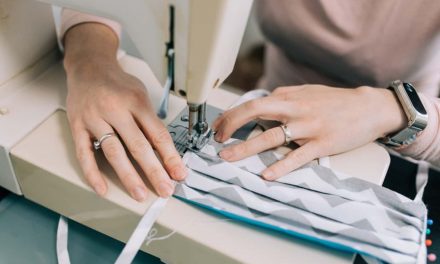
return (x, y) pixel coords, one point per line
(190, 47)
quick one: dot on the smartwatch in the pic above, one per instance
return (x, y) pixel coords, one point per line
(415, 112)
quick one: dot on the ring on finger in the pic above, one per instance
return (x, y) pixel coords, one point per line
(287, 134)
(98, 142)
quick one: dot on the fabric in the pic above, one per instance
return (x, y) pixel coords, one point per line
(313, 202)
(134, 243)
(356, 43)
(62, 240)
(141, 232)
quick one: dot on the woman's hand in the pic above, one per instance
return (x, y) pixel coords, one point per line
(103, 99)
(323, 121)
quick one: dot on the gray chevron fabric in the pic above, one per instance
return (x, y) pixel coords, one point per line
(314, 202)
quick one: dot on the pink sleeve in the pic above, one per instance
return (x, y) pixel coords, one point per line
(427, 145)
(70, 18)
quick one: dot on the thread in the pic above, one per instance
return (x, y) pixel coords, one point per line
(153, 231)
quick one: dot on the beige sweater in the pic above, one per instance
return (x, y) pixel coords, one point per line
(349, 44)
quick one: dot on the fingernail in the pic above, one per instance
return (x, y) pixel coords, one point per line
(268, 175)
(139, 194)
(180, 173)
(165, 189)
(100, 190)
(226, 154)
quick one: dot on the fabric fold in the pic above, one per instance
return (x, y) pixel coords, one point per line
(313, 202)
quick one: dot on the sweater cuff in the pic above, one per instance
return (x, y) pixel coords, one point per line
(71, 18)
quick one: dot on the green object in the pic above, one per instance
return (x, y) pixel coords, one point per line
(28, 235)
(428, 231)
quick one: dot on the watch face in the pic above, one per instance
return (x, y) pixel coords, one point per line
(414, 98)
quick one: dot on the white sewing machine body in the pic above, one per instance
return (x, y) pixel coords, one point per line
(37, 157)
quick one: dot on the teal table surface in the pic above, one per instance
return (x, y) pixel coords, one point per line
(28, 235)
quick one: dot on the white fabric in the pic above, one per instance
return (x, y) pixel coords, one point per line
(62, 238)
(141, 232)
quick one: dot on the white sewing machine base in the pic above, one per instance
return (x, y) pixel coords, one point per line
(48, 173)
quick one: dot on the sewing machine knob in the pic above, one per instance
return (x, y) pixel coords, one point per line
(184, 118)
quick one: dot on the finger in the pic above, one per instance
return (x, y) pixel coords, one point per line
(292, 161)
(161, 139)
(87, 162)
(271, 138)
(118, 159)
(264, 108)
(143, 153)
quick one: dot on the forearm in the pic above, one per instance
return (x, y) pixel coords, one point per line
(88, 47)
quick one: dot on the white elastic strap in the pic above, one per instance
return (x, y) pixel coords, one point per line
(62, 237)
(254, 94)
(141, 232)
(421, 179)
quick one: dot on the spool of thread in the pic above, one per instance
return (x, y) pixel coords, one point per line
(432, 257)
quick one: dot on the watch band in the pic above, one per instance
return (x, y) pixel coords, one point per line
(403, 138)
(415, 112)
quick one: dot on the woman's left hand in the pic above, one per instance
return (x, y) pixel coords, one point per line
(322, 120)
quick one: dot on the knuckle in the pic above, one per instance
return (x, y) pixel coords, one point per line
(303, 156)
(74, 119)
(137, 97)
(281, 168)
(240, 149)
(173, 161)
(127, 178)
(111, 149)
(76, 126)
(227, 125)
(227, 120)
(82, 155)
(141, 94)
(271, 137)
(137, 147)
(162, 136)
(154, 173)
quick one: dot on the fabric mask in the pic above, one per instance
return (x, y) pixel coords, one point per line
(313, 202)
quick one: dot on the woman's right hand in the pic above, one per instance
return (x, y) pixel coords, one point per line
(103, 99)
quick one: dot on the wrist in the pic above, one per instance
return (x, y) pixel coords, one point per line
(90, 68)
(89, 47)
(387, 110)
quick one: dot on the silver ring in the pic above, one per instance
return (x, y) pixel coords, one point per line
(97, 143)
(287, 134)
